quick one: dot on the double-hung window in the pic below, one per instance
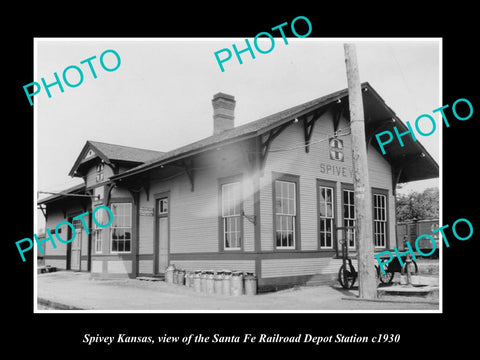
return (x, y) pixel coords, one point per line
(349, 215)
(380, 220)
(101, 217)
(285, 214)
(326, 216)
(99, 176)
(232, 216)
(121, 228)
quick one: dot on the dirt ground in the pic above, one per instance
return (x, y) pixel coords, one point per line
(78, 291)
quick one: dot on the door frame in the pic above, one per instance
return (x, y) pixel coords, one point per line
(156, 242)
(69, 245)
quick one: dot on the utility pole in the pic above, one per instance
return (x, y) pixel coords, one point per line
(361, 182)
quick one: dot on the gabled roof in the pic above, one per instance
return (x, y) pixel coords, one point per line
(113, 153)
(414, 160)
(239, 133)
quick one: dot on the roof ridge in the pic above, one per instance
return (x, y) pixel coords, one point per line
(93, 142)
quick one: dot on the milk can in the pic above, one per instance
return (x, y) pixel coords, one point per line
(197, 281)
(227, 274)
(218, 279)
(203, 281)
(175, 276)
(210, 282)
(236, 283)
(189, 279)
(250, 282)
(169, 274)
(180, 277)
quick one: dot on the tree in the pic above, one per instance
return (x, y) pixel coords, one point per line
(420, 206)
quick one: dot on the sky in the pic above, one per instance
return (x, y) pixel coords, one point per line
(159, 98)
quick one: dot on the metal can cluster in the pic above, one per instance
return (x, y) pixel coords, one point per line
(223, 282)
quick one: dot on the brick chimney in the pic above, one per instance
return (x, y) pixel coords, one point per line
(223, 112)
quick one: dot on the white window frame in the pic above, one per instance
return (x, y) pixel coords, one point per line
(100, 167)
(380, 221)
(232, 215)
(98, 231)
(325, 218)
(163, 206)
(116, 220)
(285, 211)
(77, 242)
(98, 240)
(350, 221)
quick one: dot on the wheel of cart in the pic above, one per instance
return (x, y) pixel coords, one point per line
(394, 266)
(347, 275)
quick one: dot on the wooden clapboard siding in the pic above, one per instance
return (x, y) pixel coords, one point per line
(307, 166)
(56, 216)
(97, 266)
(84, 265)
(84, 249)
(145, 267)
(301, 266)
(146, 231)
(119, 267)
(194, 214)
(90, 179)
(216, 265)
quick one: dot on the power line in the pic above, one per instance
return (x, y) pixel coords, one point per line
(337, 133)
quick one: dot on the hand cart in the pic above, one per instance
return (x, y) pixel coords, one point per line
(347, 275)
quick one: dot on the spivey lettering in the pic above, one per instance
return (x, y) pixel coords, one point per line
(227, 53)
(336, 170)
(72, 80)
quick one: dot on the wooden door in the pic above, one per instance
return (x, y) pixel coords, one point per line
(162, 234)
(76, 247)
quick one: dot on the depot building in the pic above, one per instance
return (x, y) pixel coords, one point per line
(266, 197)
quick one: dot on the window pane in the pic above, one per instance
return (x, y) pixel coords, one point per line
(329, 210)
(290, 239)
(278, 206)
(328, 225)
(328, 194)
(322, 195)
(284, 189)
